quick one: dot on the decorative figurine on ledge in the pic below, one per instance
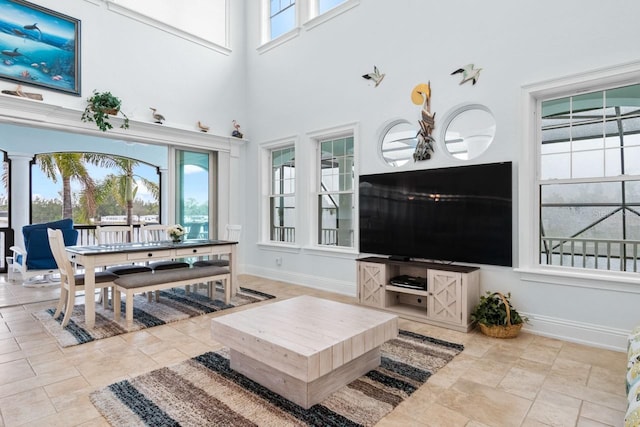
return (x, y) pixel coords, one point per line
(159, 118)
(236, 132)
(203, 128)
(376, 76)
(468, 73)
(20, 93)
(424, 147)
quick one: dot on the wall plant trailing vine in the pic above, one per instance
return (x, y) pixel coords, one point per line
(100, 106)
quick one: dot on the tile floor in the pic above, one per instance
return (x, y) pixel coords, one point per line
(528, 381)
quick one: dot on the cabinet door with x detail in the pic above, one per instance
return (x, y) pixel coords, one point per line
(444, 303)
(372, 283)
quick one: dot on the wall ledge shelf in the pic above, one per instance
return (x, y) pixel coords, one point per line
(27, 112)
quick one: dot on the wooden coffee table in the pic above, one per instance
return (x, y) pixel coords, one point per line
(305, 348)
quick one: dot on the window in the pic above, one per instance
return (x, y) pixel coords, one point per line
(336, 192)
(282, 20)
(326, 5)
(282, 17)
(282, 200)
(589, 154)
(195, 192)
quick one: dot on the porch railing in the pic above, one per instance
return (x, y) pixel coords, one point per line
(600, 254)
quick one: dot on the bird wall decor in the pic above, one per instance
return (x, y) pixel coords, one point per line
(203, 128)
(468, 73)
(422, 94)
(236, 131)
(159, 118)
(376, 76)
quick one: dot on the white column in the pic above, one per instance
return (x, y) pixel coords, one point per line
(165, 201)
(19, 192)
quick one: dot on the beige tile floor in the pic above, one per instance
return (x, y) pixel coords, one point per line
(528, 381)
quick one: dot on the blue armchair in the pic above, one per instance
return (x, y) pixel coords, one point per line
(36, 258)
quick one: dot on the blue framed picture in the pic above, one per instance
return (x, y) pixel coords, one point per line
(39, 47)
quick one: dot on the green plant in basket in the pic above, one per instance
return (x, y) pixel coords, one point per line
(496, 316)
(99, 107)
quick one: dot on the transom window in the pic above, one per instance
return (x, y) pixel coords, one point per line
(327, 5)
(336, 192)
(282, 16)
(590, 180)
(282, 195)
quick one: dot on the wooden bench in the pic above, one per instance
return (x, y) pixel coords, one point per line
(164, 279)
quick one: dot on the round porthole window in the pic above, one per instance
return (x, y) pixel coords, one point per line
(468, 131)
(398, 142)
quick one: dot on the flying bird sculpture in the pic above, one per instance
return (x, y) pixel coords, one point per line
(159, 118)
(376, 76)
(468, 73)
(422, 94)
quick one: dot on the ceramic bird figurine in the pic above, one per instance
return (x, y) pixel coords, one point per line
(159, 118)
(236, 132)
(203, 128)
(468, 73)
(376, 76)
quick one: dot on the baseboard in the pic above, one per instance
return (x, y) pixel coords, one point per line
(315, 282)
(577, 332)
(552, 327)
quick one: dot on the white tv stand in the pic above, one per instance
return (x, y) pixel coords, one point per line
(452, 291)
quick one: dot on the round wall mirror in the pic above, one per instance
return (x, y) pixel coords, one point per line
(468, 131)
(398, 142)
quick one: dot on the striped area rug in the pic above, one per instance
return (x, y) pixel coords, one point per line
(204, 391)
(174, 304)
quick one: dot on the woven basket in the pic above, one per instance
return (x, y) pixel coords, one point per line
(502, 331)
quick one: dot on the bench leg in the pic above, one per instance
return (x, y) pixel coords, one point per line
(227, 290)
(116, 304)
(129, 308)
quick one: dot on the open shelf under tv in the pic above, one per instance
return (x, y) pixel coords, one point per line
(452, 291)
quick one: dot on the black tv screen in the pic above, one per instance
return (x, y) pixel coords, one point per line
(457, 214)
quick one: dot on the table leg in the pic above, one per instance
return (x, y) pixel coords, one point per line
(233, 269)
(89, 293)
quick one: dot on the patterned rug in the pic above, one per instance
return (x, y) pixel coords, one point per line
(205, 391)
(175, 304)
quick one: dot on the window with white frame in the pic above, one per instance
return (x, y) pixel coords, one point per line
(335, 198)
(282, 17)
(589, 180)
(282, 195)
(324, 6)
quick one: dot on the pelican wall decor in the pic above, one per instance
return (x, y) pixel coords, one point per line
(422, 94)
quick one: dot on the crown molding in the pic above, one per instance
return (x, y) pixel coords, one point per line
(32, 113)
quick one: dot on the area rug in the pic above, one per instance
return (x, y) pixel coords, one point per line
(174, 304)
(204, 391)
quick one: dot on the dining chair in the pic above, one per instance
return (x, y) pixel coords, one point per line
(154, 232)
(157, 233)
(114, 234)
(70, 283)
(232, 233)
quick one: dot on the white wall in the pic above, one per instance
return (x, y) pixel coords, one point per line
(314, 82)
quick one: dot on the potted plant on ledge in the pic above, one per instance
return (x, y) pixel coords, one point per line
(496, 316)
(99, 107)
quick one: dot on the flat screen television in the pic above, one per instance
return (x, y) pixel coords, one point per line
(455, 214)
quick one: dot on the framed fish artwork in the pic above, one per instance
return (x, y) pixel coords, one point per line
(39, 47)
